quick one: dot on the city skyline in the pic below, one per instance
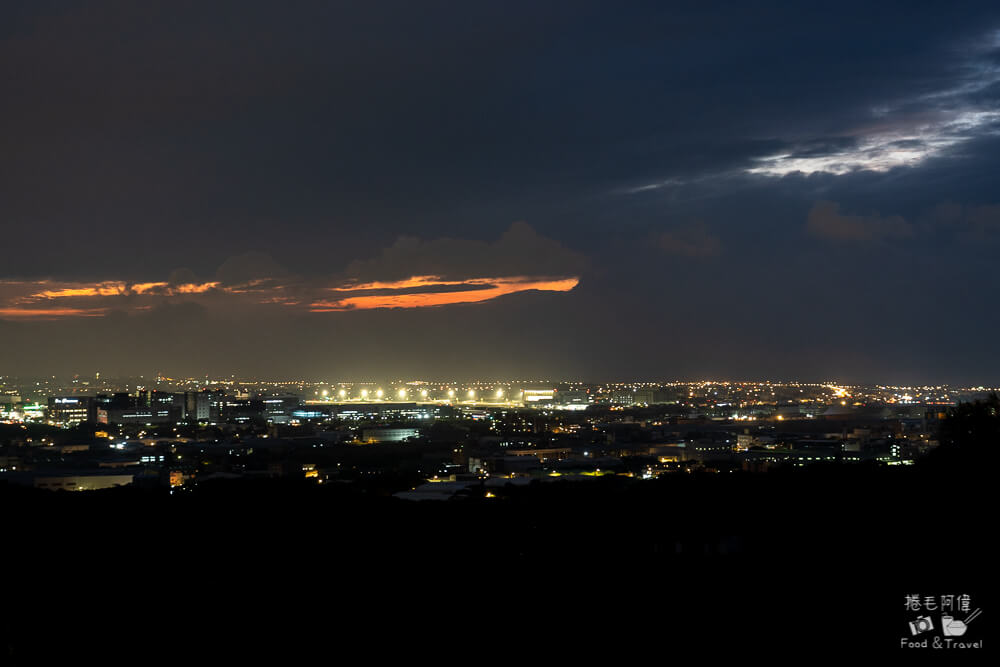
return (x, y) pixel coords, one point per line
(233, 378)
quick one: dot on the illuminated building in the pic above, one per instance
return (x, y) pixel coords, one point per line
(530, 396)
(542, 454)
(572, 397)
(69, 410)
(197, 406)
(645, 396)
(275, 406)
(81, 481)
(144, 407)
(622, 398)
(241, 410)
(388, 434)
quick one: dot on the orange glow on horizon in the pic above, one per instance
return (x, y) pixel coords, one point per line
(501, 287)
(50, 313)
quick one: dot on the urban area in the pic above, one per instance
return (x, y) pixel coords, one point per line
(432, 440)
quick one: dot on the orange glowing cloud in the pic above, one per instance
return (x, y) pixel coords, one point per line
(194, 288)
(52, 300)
(409, 283)
(34, 299)
(100, 289)
(50, 313)
(122, 289)
(148, 288)
(411, 273)
(494, 287)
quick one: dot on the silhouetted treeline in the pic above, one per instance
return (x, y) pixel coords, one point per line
(969, 435)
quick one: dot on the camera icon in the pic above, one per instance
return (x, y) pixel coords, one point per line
(921, 624)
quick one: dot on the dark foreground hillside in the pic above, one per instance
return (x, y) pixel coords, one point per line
(815, 559)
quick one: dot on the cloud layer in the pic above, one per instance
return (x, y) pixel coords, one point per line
(690, 241)
(826, 221)
(465, 272)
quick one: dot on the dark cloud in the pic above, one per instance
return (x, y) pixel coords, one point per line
(249, 267)
(827, 222)
(971, 224)
(985, 219)
(690, 241)
(183, 277)
(520, 251)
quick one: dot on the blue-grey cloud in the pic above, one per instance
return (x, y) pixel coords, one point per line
(826, 221)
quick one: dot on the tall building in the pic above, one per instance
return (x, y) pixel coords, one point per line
(197, 406)
(70, 410)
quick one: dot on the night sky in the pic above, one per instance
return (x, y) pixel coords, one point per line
(591, 190)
